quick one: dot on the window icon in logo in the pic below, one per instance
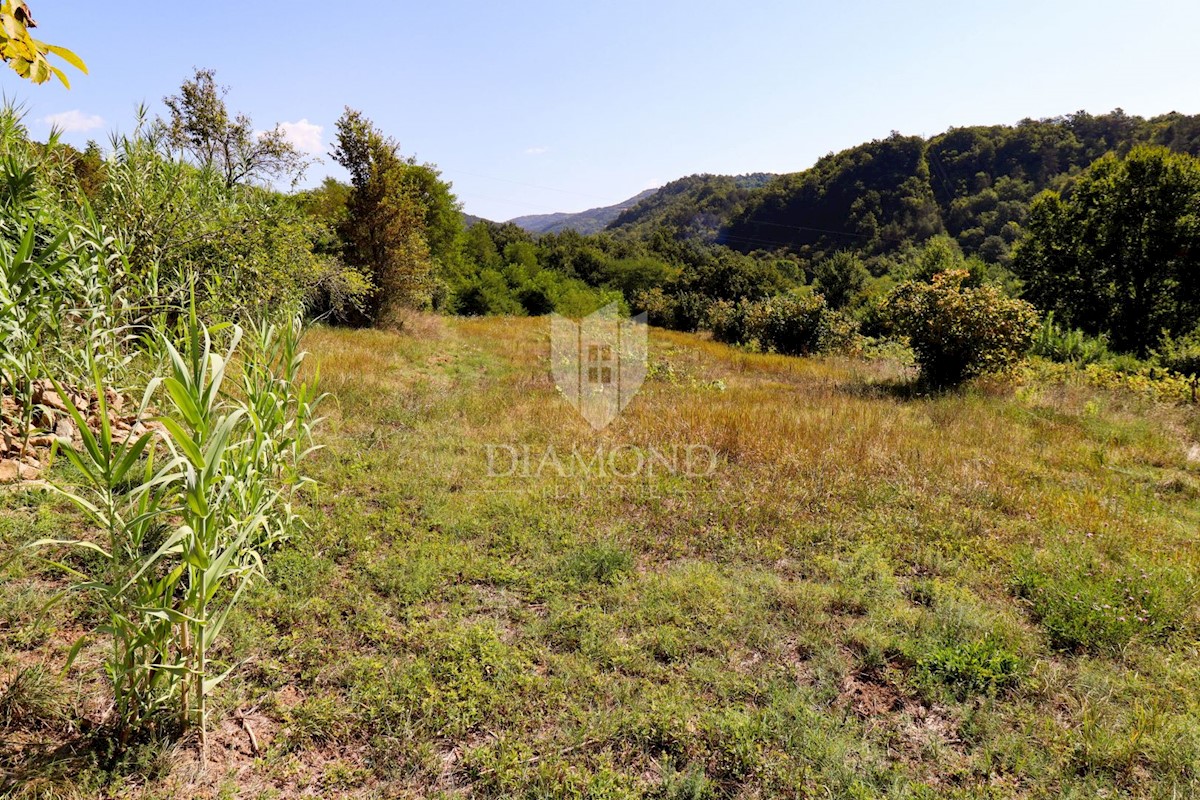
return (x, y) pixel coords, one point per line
(600, 364)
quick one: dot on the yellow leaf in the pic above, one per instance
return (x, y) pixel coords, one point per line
(65, 54)
(12, 28)
(40, 71)
(58, 73)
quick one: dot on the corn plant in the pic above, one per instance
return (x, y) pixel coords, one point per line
(129, 499)
(240, 456)
(280, 408)
(184, 533)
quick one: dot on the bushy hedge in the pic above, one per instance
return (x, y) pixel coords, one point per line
(792, 324)
(958, 332)
(521, 290)
(1180, 354)
(687, 311)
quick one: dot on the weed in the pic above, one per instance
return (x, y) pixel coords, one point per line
(33, 697)
(600, 563)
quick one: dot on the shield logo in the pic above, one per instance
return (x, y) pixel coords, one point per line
(599, 363)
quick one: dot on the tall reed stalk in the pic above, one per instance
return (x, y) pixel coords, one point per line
(184, 532)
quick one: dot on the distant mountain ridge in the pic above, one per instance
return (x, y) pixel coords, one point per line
(974, 184)
(593, 220)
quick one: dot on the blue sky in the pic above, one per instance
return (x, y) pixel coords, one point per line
(533, 107)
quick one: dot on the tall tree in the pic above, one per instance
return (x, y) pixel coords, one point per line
(386, 228)
(1121, 253)
(201, 126)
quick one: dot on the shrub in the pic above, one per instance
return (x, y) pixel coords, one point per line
(1180, 354)
(687, 311)
(840, 278)
(789, 324)
(691, 311)
(959, 332)
(1068, 346)
(981, 667)
(657, 305)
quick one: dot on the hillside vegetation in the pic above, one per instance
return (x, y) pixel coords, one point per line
(905, 507)
(593, 220)
(863, 222)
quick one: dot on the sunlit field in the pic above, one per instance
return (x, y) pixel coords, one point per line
(857, 591)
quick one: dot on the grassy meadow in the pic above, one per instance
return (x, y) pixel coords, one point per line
(873, 593)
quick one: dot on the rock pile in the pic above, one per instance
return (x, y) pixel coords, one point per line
(24, 450)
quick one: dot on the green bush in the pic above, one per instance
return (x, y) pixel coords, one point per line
(980, 667)
(790, 324)
(687, 311)
(958, 332)
(1180, 353)
(522, 290)
(1068, 346)
(840, 277)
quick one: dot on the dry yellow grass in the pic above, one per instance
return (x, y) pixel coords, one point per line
(871, 594)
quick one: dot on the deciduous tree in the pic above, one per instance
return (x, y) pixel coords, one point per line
(385, 232)
(201, 126)
(1120, 254)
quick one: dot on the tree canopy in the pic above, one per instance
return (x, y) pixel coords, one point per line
(201, 125)
(401, 220)
(1120, 253)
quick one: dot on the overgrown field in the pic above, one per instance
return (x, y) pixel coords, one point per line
(986, 593)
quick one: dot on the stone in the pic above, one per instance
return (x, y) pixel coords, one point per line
(114, 400)
(28, 472)
(44, 396)
(10, 470)
(65, 430)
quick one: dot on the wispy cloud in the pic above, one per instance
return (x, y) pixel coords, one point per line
(536, 151)
(74, 121)
(303, 135)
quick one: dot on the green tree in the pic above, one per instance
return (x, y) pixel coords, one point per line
(441, 209)
(1121, 254)
(26, 55)
(386, 228)
(840, 278)
(200, 125)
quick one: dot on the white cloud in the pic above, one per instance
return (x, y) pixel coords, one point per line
(74, 121)
(536, 151)
(304, 136)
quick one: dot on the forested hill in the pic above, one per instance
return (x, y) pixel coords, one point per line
(593, 220)
(974, 183)
(696, 206)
